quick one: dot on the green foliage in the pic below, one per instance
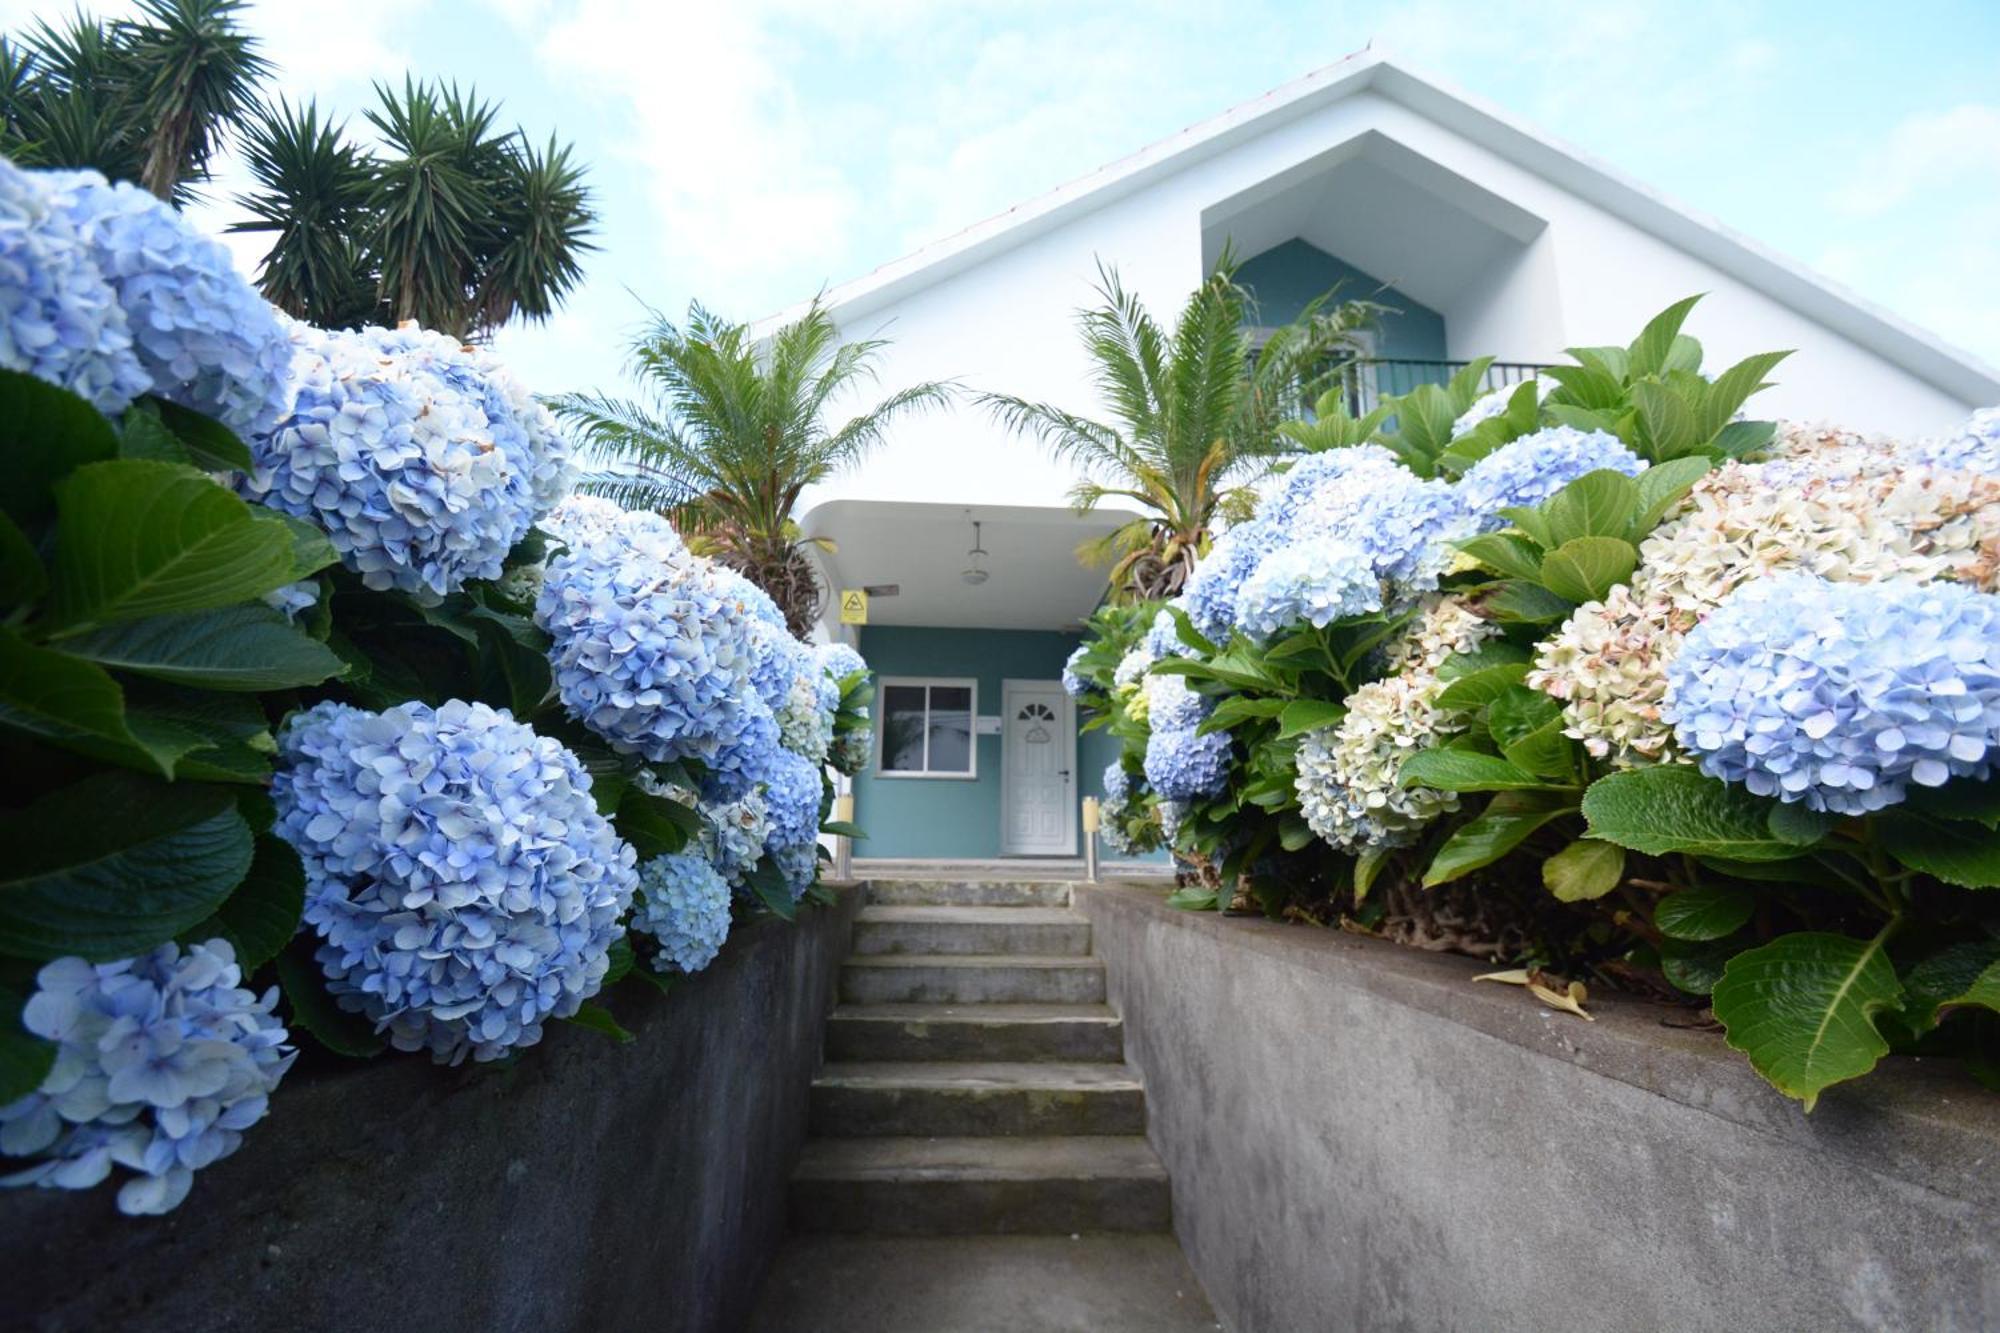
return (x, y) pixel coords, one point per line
(734, 432)
(1195, 414)
(1804, 1008)
(1653, 396)
(446, 219)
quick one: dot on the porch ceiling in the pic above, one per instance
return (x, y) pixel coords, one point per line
(1037, 581)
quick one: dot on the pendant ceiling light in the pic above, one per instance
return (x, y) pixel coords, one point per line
(975, 571)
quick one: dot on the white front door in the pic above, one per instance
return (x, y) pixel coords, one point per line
(1038, 769)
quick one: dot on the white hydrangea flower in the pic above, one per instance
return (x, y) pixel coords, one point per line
(1348, 774)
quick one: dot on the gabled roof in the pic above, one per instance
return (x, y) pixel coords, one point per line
(1784, 280)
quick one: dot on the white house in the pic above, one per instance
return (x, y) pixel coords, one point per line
(1488, 237)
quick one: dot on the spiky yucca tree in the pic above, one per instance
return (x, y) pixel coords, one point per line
(1193, 417)
(147, 99)
(735, 431)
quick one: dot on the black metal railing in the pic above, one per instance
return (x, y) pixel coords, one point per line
(1367, 382)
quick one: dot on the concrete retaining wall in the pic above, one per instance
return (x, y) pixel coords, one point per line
(1361, 1138)
(591, 1186)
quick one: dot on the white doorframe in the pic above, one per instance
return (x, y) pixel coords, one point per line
(1066, 713)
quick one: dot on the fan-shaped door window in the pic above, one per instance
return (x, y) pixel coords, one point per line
(1038, 716)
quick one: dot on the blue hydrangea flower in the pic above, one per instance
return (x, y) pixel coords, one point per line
(798, 864)
(60, 319)
(683, 904)
(652, 650)
(1527, 471)
(1171, 705)
(162, 1061)
(1163, 636)
(1075, 686)
(840, 661)
(741, 752)
(1117, 784)
(1183, 765)
(1973, 447)
(206, 338)
(462, 882)
(294, 599)
(397, 464)
(1484, 408)
(792, 791)
(853, 749)
(733, 834)
(805, 711)
(1314, 582)
(1212, 589)
(518, 423)
(1840, 695)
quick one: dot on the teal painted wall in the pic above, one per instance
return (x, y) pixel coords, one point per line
(956, 818)
(1287, 276)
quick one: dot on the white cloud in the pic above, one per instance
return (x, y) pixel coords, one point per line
(1956, 150)
(738, 181)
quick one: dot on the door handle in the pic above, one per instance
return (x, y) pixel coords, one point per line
(1062, 772)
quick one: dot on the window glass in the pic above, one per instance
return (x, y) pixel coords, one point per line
(951, 729)
(903, 728)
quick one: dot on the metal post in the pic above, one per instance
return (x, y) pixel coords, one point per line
(843, 846)
(1090, 820)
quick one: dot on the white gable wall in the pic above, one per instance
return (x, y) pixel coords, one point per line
(1571, 274)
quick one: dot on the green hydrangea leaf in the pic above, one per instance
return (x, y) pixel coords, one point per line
(141, 539)
(311, 1008)
(25, 1059)
(1967, 973)
(1465, 770)
(1597, 504)
(1584, 569)
(1476, 689)
(1584, 870)
(1674, 808)
(115, 864)
(261, 916)
(246, 648)
(1703, 913)
(1505, 823)
(1958, 852)
(45, 433)
(1803, 1007)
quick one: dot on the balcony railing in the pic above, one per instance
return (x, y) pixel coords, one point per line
(1368, 382)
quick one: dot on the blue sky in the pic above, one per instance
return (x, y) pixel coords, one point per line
(745, 154)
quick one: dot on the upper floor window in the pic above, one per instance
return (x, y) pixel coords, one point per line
(927, 727)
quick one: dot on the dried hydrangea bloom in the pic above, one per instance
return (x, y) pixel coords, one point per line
(1349, 775)
(1852, 514)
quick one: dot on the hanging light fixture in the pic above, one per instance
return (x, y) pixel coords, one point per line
(975, 571)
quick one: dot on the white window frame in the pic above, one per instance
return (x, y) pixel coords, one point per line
(882, 686)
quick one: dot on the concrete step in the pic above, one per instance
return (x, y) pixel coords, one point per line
(909, 978)
(968, 893)
(980, 1186)
(961, 930)
(1013, 1032)
(949, 1099)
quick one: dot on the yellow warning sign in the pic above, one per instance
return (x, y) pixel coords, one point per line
(853, 606)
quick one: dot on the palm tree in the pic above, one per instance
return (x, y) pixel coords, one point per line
(1194, 417)
(147, 99)
(459, 225)
(735, 431)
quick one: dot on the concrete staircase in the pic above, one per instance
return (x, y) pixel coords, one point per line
(975, 1081)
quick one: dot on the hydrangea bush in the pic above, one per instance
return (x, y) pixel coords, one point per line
(401, 745)
(1598, 676)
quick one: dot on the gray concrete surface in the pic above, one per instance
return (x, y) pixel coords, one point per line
(971, 930)
(989, 1185)
(1073, 1032)
(1360, 1137)
(953, 1098)
(982, 1284)
(589, 1186)
(906, 978)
